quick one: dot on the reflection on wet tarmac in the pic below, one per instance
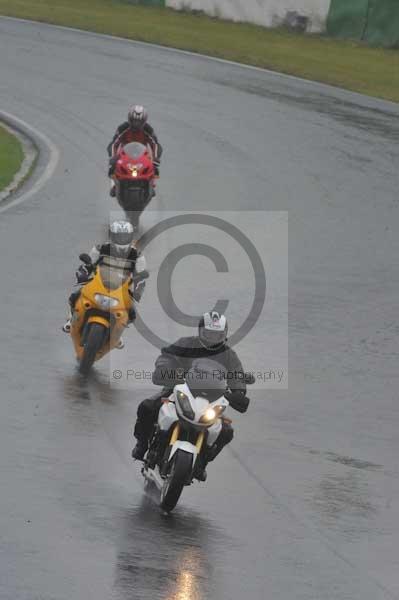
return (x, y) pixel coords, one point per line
(75, 389)
(100, 388)
(187, 587)
(76, 394)
(157, 557)
(169, 558)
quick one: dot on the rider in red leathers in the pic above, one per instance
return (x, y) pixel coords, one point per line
(135, 129)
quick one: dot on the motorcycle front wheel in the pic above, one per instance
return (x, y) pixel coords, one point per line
(94, 340)
(176, 479)
(133, 201)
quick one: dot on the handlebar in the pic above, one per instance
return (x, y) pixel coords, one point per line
(249, 378)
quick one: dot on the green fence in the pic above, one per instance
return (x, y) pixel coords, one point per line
(383, 26)
(374, 21)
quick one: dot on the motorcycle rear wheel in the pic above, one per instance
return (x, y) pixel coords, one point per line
(176, 480)
(94, 340)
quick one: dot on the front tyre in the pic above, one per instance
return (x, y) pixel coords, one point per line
(94, 341)
(176, 479)
(134, 201)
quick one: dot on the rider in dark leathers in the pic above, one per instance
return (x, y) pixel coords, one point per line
(170, 366)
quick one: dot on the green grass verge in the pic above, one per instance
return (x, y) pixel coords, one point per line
(350, 65)
(11, 157)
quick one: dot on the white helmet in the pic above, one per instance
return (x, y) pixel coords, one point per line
(121, 236)
(212, 330)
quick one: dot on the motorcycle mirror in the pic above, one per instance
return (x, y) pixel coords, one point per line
(249, 378)
(85, 258)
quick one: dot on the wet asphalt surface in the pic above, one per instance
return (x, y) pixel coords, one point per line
(304, 504)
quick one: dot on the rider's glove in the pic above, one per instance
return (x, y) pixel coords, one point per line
(139, 279)
(83, 274)
(138, 290)
(237, 400)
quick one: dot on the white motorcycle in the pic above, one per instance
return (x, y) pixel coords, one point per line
(189, 418)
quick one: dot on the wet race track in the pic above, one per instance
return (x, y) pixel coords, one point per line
(304, 503)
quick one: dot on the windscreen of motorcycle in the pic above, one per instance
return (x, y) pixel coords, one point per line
(207, 378)
(114, 271)
(134, 150)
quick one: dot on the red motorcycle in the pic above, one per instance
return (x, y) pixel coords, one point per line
(134, 177)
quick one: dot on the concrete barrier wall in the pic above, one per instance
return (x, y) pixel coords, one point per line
(269, 13)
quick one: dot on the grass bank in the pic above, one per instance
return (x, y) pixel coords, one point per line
(350, 65)
(11, 157)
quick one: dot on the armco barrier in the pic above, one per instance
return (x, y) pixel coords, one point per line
(374, 21)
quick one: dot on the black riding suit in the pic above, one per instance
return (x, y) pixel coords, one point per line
(135, 263)
(173, 361)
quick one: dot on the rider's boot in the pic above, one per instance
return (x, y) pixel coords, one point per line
(112, 191)
(66, 328)
(140, 449)
(200, 467)
(210, 453)
(132, 317)
(147, 414)
(142, 432)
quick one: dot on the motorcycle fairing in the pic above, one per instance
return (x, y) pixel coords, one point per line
(115, 319)
(168, 415)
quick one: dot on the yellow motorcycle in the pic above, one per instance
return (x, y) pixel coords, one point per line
(101, 312)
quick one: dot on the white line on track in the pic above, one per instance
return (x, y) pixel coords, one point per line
(49, 168)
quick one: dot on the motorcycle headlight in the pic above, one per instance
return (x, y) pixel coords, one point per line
(185, 405)
(211, 414)
(105, 302)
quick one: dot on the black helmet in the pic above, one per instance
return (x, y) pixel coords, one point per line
(137, 116)
(212, 330)
(121, 236)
